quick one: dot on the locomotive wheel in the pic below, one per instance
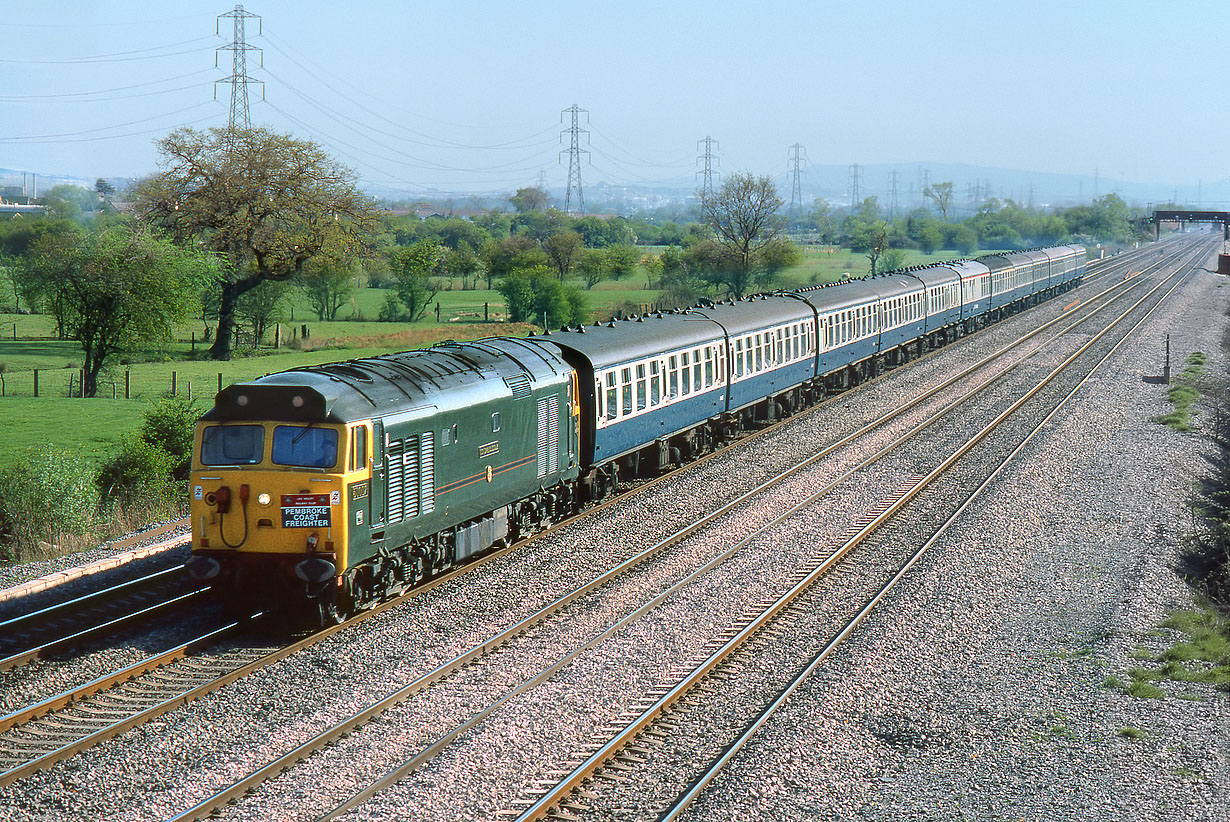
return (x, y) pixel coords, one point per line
(327, 613)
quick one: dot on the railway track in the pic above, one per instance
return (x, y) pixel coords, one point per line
(149, 690)
(38, 634)
(611, 759)
(505, 641)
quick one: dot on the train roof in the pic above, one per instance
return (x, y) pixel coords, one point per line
(756, 312)
(392, 383)
(618, 341)
(840, 295)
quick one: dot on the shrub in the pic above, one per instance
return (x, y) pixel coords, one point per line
(138, 472)
(169, 425)
(44, 494)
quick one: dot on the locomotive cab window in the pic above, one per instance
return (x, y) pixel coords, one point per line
(304, 447)
(233, 445)
(495, 422)
(358, 448)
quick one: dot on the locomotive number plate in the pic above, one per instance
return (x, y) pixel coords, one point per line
(305, 511)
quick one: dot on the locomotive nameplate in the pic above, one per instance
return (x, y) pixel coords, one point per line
(305, 511)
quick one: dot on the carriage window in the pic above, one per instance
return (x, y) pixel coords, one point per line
(304, 447)
(640, 387)
(655, 384)
(672, 365)
(233, 445)
(696, 369)
(612, 398)
(739, 357)
(708, 367)
(626, 403)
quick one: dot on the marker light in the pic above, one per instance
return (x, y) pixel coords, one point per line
(264, 499)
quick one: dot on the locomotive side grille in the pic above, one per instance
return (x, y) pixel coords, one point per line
(395, 484)
(543, 437)
(410, 493)
(404, 479)
(553, 435)
(548, 435)
(427, 474)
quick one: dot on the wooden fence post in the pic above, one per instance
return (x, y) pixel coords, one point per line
(36, 382)
(128, 384)
(172, 383)
(219, 382)
(81, 382)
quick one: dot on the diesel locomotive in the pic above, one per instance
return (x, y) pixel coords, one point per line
(332, 487)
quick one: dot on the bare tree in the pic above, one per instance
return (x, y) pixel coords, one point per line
(743, 215)
(941, 195)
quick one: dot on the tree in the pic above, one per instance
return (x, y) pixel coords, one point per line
(462, 262)
(941, 195)
(118, 289)
(743, 217)
(518, 251)
(592, 266)
(66, 202)
(267, 202)
(262, 306)
(327, 281)
(536, 295)
(531, 198)
(892, 259)
(621, 260)
(563, 249)
(876, 242)
(776, 257)
(415, 269)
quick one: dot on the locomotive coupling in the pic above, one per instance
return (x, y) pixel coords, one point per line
(315, 571)
(202, 568)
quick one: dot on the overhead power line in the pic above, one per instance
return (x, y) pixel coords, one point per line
(34, 98)
(116, 57)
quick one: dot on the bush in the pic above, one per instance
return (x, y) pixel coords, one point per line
(44, 494)
(170, 426)
(138, 473)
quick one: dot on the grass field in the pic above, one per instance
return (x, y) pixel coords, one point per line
(92, 425)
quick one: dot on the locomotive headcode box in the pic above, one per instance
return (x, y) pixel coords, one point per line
(305, 511)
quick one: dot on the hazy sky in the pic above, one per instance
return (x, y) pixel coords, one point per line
(467, 96)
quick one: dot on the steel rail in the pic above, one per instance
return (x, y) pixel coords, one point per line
(40, 651)
(147, 665)
(693, 791)
(551, 798)
(281, 763)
